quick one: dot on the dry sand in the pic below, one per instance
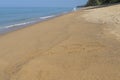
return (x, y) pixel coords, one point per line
(64, 48)
(106, 15)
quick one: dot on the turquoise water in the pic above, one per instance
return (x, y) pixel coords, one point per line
(14, 17)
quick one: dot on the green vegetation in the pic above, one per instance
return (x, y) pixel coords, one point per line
(101, 2)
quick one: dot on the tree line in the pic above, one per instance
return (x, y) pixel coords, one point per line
(101, 2)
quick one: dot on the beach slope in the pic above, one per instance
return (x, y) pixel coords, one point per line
(75, 46)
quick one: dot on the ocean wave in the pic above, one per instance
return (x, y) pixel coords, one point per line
(47, 17)
(27, 23)
(19, 24)
(34, 20)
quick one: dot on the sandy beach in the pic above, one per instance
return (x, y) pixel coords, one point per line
(82, 45)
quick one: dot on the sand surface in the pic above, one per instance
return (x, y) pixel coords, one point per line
(106, 15)
(64, 48)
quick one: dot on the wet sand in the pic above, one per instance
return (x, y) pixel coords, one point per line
(68, 47)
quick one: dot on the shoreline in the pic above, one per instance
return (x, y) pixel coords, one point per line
(14, 28)
(68, 47)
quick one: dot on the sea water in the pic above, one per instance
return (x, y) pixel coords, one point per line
(20, 16)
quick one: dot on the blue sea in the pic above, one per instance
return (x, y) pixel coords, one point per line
(16, 17)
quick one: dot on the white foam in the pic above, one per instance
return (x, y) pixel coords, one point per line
(20, 24)
(47, 17)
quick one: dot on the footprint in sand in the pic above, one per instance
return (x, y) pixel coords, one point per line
(72, 49)
(86, 47)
